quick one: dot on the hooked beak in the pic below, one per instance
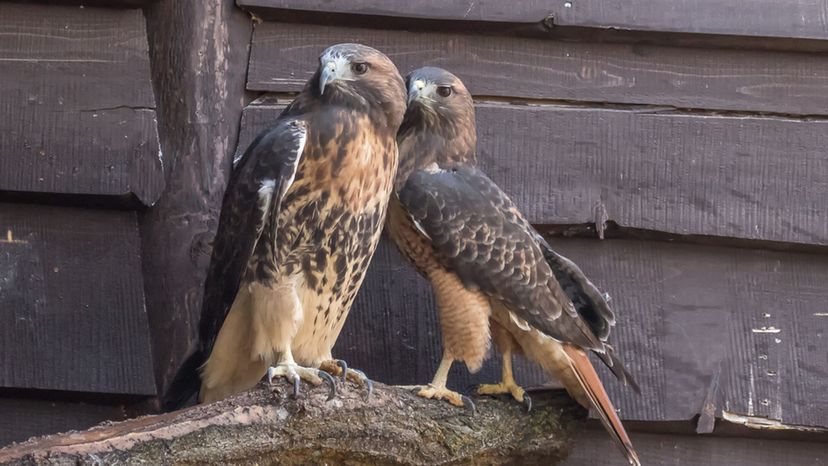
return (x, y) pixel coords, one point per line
(327, 76)
(415, 91)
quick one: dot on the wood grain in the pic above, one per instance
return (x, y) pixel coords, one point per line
(200, 112)
(72, 313)
(23, 418)
(519, 11)
(284, 56)
(801, 19)
(740, 177)
(594, 448)
(77, 103)
(807, 19)
(685, 313)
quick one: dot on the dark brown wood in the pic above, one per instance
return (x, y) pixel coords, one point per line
(267, 425)
(806, 19)
(93, 3)
(284, 55)
(594, 448)
(72, 313)
(519, 11)
(76, 102)
(200, 112)
(685, 313)
(24, 418)
(803, 19)
(741, 177)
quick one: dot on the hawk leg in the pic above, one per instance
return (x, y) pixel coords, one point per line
(437, 388)
(295, 373)
(507, 384)
(339, 368)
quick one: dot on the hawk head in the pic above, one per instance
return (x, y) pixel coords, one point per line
(439, 125)
(363, 79)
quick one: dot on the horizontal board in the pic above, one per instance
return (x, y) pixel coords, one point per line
(741, 177)
(594, 448)
(800, 19)
(21, 419)
(744, 330)
(284, 56)
(806, 19)
(518, 11)
(76, 103)
(72, 313)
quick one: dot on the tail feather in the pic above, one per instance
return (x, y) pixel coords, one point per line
(591, 384)
(617, 368)
(186, 383)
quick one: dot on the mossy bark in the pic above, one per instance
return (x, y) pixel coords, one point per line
(267, 426)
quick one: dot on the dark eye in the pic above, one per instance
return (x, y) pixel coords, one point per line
(444, 91)
(359, 68)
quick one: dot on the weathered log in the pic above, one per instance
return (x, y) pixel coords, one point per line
(268, 426)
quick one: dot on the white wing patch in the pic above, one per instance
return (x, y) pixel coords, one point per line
(266, 197)
(300, 132)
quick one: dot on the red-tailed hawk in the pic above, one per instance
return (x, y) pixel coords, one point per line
(300, 220)
(493, 275)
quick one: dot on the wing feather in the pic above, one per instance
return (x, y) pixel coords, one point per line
(480, 235)
(257, 185)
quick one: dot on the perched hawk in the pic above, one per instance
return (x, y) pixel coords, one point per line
(493, 275)
(300, 220)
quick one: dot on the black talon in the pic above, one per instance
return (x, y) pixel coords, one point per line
(415, 390)
(527, 402)
(296, 383)
(344, 366)
(469, 404)
(331, 384)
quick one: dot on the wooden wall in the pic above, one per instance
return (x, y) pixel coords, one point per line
(79, 158)
(678, 155)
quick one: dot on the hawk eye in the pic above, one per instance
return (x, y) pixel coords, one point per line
(444, 91)
(359, 68)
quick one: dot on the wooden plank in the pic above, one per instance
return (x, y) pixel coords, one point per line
(594, 448)
(94, 3)
(21, 418)
(801, 19)
(519, 11)
(805, 19)
(77, 103)
(72, 311)
(685, 313)
(740, 177)
(284, 55)
(200, 114)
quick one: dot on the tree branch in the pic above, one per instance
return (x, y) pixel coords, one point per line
(266, 426)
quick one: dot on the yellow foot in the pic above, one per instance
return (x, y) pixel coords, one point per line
(437, 393)
(295, 374)
(518, 393)
(339, 368)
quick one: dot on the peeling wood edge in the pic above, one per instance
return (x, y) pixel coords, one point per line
(757, 422)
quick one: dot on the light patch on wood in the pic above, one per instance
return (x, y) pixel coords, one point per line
(756, 422)
(766, 330)
(10, 239)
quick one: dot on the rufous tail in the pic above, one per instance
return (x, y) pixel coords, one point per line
(591, 384)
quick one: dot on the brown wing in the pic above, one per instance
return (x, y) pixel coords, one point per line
(480, 235)
(257, 184)
(592, 305)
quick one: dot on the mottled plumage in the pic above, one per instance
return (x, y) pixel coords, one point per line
(458, 227)
(300, 220)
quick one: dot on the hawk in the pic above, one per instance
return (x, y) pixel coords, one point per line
(301, 217)
(494, 276)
